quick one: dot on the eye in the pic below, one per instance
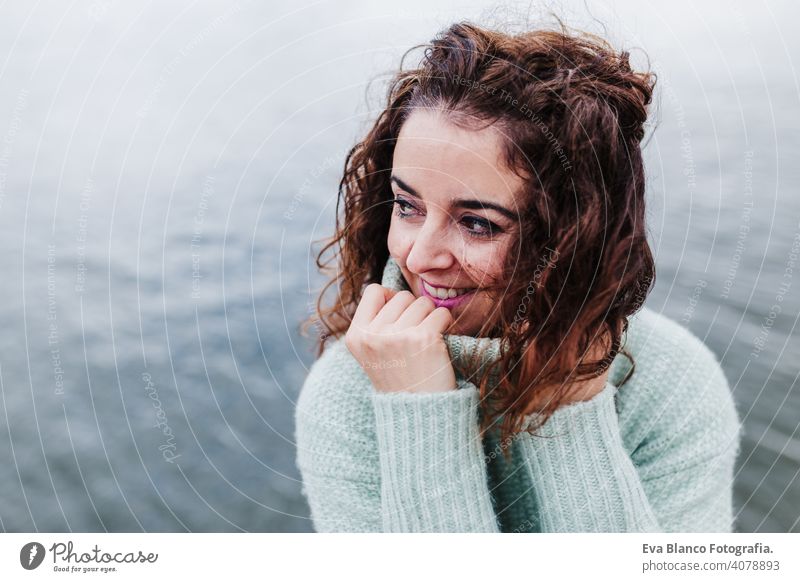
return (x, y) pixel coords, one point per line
(403, 207)
(480, 227)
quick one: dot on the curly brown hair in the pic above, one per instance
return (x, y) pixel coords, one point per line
(573, 112)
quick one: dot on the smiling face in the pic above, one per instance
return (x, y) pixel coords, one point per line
(454, 215)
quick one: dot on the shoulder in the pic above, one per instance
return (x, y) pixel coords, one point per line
(678, 391)
(667, 349)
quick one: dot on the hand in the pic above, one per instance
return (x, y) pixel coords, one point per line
(398, 341)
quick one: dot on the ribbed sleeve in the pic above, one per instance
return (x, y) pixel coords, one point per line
(432, 468)
(583, 479)
(336, 451)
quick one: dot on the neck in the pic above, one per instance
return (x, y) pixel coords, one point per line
(468, 354)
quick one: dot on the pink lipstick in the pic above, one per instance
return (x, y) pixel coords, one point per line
(450, 302)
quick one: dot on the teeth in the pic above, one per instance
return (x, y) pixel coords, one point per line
(444, 293)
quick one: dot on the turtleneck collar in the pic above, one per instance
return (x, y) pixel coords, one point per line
(464, 350)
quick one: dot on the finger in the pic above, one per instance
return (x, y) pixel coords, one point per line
(372, 300)
(416, 312)
(439, 319)
(394, 308)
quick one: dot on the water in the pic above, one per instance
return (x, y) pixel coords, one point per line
(164, 169)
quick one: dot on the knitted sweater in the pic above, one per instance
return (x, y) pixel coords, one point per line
(657, 454)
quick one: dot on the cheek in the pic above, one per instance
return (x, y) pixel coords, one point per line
(484, 263)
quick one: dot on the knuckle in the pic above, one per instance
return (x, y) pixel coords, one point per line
(405, 295)
(371, 292)
(427, 302)
(442, 312)
(425, 336)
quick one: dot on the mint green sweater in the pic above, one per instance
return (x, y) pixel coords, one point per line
(656, 455)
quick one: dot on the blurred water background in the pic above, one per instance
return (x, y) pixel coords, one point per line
(164, 168)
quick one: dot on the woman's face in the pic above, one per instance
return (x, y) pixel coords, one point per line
(454, 214)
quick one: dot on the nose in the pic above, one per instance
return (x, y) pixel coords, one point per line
(430, 249)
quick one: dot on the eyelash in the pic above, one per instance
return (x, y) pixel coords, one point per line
(491, 228)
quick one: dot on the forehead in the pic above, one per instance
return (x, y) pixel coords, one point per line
(441, 159)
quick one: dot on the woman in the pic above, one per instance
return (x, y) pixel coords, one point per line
(492, 266)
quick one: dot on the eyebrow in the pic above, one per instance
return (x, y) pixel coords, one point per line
(461, 202)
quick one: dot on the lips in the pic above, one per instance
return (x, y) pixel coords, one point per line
(441, 296)
(444, 292)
